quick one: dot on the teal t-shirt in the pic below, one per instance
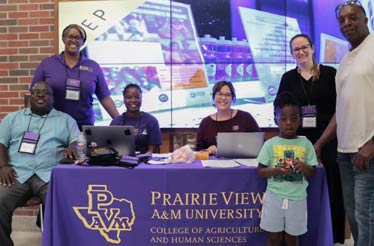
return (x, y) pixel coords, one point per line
(274, 152)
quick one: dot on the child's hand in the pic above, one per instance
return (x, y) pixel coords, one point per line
(284, 169)
(288, 165)
(298, 165)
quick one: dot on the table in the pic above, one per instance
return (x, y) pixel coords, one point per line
(178, 204)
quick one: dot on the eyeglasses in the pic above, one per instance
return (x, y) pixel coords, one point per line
(40, 92)
(348, 2)
(72, 37)
(302, 48)
(222, 95)
(132, 97)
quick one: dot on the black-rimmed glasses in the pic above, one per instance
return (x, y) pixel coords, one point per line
(345, 3)
(72, 37)
(40, 92)
(222, 95)
(302, 48)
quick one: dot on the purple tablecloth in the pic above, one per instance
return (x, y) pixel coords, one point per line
(179, 204)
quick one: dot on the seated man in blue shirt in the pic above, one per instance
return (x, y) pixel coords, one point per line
(32, 141)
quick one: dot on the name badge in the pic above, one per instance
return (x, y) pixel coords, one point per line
(309, 116)
(309, 122)
(73, 89)
(85, 68)
(29, 143)
(309, 111)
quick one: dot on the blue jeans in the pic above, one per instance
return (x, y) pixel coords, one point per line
(358, 193)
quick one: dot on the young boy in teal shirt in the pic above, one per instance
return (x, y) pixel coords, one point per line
(286, 160)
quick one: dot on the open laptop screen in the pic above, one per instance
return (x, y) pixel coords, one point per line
(239, 144)
(120, 138)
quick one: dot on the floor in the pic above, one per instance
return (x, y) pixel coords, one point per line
(26, 233)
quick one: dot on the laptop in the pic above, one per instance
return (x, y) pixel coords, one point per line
(120, 138)
(239, 144)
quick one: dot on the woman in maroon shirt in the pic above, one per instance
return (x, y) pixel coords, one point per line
(225, 119)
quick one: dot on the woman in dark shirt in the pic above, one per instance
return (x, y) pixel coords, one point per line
(313, 85)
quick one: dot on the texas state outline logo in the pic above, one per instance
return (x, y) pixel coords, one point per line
(105, 213)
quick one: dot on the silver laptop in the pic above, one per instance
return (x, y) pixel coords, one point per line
(120, 138)
(239, 144)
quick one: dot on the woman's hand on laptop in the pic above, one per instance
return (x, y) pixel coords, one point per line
(212, 150)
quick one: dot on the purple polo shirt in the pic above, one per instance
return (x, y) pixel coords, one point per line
(146, 127)
(55, 71)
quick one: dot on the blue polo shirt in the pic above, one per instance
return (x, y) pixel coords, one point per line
(55, 71)
(57, 131)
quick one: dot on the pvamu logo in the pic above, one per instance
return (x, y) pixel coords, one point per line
(106, 214)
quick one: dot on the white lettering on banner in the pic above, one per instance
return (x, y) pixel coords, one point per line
(96, 17)
(206, 199)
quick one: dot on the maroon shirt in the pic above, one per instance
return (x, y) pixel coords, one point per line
(208, 129)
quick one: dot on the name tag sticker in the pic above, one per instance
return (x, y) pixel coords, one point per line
(29, 143)
(309, 122)
(309, 116)
(73, 89)
(85, 68)
(72, 95)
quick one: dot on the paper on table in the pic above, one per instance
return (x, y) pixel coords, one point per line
(252, 162)
(219, 163)
(160, 159)
(158, 162)
(163, 155)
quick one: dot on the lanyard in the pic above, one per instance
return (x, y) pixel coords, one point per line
(308, 97)
(66, 69)
(40, 128)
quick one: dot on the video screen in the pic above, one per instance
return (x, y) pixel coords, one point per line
(177, 50)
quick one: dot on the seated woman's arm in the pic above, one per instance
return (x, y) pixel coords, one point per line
(152, 149)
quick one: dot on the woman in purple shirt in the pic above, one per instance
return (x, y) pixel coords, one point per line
(75, 79)
(147, 131)
(225, 119)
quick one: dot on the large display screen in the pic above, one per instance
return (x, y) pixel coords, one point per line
(176, 50)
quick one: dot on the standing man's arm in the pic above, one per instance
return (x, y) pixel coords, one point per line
(328, 134)
(365, 155)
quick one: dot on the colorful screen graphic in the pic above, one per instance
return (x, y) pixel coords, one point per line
(176, 50)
